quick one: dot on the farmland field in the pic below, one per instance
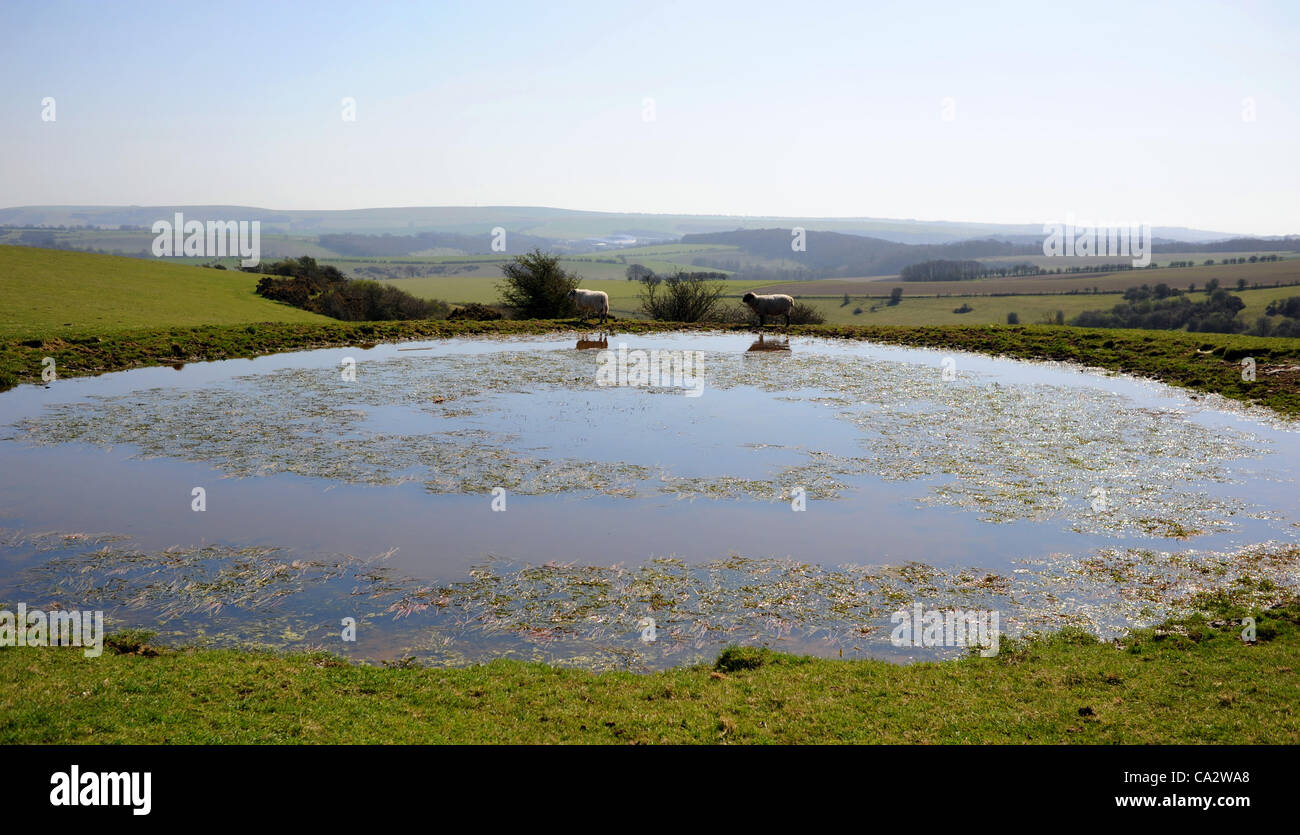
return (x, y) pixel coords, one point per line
(1159, 258)
(993, 310)
(1031, 298)
(604, 267)
(1266, 274)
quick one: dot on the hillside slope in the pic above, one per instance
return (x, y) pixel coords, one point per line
(50, 292)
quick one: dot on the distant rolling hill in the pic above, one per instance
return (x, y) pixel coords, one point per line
(831, 254)
(836, 255)
(538, 221)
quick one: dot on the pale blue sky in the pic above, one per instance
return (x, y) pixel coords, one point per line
(1107, 111)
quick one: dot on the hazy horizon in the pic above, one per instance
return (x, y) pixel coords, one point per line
(1175, 116)
(634, 212)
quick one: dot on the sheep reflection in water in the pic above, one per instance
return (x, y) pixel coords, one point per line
(599, 340)
(765, 344)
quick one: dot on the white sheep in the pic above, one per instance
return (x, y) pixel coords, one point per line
(591, 301)
(775, 305)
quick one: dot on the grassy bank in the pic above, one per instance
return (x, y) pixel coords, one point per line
(1205, 362)
(1190, 681)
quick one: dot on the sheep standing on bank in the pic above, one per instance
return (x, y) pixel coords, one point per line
(591, 301)
(774, 305)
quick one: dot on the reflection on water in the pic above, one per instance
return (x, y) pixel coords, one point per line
(763, 343)
(600, 341)
(1047, 492)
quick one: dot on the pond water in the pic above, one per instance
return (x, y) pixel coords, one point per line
(471, 499)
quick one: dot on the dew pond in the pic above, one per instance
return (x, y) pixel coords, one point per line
(471, 499)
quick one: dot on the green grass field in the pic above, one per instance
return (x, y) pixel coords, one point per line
(913, 310)
(1267, 275)
(1257, 300)
(924, 303)
(993, 310)
(1192, 681)
(52, 293)
(94, 293)
(1161, 258)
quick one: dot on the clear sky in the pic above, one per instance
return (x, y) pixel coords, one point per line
(1120, 111)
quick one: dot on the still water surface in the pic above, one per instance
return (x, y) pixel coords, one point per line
(997, 484)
